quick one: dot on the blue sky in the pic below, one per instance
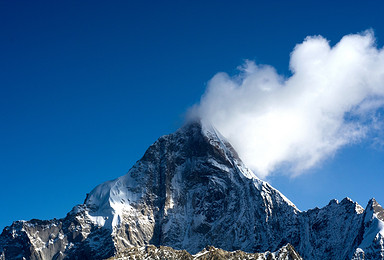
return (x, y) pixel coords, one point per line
(86, 87)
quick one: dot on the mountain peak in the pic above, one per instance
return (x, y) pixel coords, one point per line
(186, 187)
(374, 207)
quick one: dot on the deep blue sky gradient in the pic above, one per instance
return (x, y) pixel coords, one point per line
(87, 86)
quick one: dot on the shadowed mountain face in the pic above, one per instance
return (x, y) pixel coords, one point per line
(188, 191)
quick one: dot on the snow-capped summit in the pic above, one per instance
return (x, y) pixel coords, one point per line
(188, 191)
(189, 187)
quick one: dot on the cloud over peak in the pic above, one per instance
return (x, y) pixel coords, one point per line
(330, 101)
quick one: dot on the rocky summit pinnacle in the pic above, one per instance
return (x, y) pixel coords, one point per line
(191, 190)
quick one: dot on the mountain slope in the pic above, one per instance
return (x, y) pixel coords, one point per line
(188, 191)
(329, 232)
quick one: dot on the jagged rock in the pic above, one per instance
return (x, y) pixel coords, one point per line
(370, 240)
(188, 191)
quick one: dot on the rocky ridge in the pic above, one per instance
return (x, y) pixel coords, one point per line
(163, 252)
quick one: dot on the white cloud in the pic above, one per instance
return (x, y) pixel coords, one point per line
(328, 102)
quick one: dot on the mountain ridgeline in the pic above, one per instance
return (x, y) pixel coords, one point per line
(189, 191)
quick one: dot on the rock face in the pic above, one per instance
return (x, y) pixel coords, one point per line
(188, 191)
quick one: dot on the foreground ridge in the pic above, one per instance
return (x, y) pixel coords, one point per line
(190, 190)
(287, 252)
